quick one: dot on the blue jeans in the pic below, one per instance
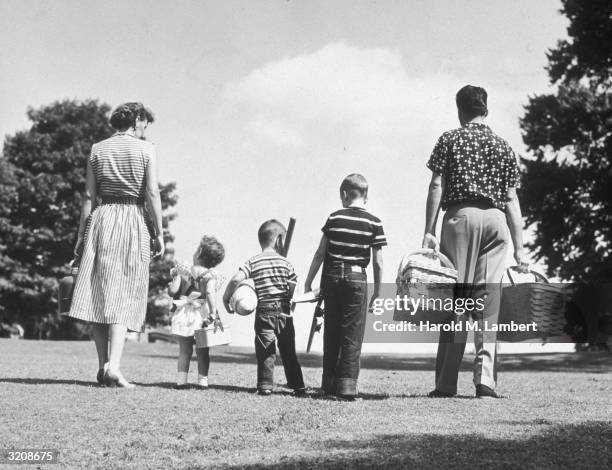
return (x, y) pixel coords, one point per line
(270, 327)
(345, 292)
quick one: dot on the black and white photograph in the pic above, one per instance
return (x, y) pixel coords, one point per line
(306, 234)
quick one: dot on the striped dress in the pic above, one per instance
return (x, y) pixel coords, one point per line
(113, 279)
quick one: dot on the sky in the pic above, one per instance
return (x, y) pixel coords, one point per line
(262, 107)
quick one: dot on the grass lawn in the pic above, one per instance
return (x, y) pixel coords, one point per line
(557, 414)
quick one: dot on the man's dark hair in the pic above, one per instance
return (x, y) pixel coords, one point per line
(472, 101)
(126, 115)
(269, 232)
(355, 186)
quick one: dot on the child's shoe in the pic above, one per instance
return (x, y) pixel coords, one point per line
(202, 381)
(181, 381)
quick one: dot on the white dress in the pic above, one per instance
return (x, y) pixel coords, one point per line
(192, 310)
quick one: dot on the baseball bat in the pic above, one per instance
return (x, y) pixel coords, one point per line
(288, 236)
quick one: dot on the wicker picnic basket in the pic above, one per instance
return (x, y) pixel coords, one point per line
(425, 274)
(537, 301)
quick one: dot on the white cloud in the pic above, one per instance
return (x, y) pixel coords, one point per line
(367, 94)
(274, 130)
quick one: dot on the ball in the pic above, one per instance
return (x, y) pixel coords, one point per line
(244, 298)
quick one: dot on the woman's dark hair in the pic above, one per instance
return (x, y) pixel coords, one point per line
(126, 115)
(472, 101)
(210, 252)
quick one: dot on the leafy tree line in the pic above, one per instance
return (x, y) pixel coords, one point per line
(567, 186)
(42, 179)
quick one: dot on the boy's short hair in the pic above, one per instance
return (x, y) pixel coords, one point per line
(355, 186)
(269, 232)
(472, 101)
(210, 252)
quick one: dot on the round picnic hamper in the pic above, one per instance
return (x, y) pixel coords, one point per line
(429, 274)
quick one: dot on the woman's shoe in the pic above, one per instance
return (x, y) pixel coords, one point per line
(116, 380)
(100, 377)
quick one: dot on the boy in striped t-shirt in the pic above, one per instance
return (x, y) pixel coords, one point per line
(351, 237)
(274, 279)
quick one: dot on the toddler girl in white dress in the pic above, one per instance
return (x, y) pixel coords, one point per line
(194, 290)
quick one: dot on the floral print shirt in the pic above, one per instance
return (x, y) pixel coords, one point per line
(477, 165)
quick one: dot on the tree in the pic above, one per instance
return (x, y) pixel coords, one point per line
(157, 309)
(567, 184)
(42, 178)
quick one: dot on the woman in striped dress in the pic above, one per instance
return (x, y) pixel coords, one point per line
(112, 284)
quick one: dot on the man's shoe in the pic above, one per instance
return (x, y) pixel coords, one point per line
(299, 392)
(439, 394)
(482, 391)
(348, 398)
(264, 393)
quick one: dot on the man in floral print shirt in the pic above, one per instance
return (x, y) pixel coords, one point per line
(474, 179)
(478, 165)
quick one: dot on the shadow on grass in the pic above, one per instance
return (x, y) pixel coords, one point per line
(172, 385)
(589, 362)
(585, 445)
(33, 381)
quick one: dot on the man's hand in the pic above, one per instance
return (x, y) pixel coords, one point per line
(431, 242)
(522, 265)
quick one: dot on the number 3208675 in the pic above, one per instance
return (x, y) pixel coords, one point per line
(25, 456)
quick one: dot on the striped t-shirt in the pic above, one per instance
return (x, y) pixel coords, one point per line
(351, 233)
(119, 165)
(272, 274)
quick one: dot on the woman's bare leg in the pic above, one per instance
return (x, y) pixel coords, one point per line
(117, 341)
(100, 336)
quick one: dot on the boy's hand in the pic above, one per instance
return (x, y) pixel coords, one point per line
(371, 306)
(228, 308)
(375, 296)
